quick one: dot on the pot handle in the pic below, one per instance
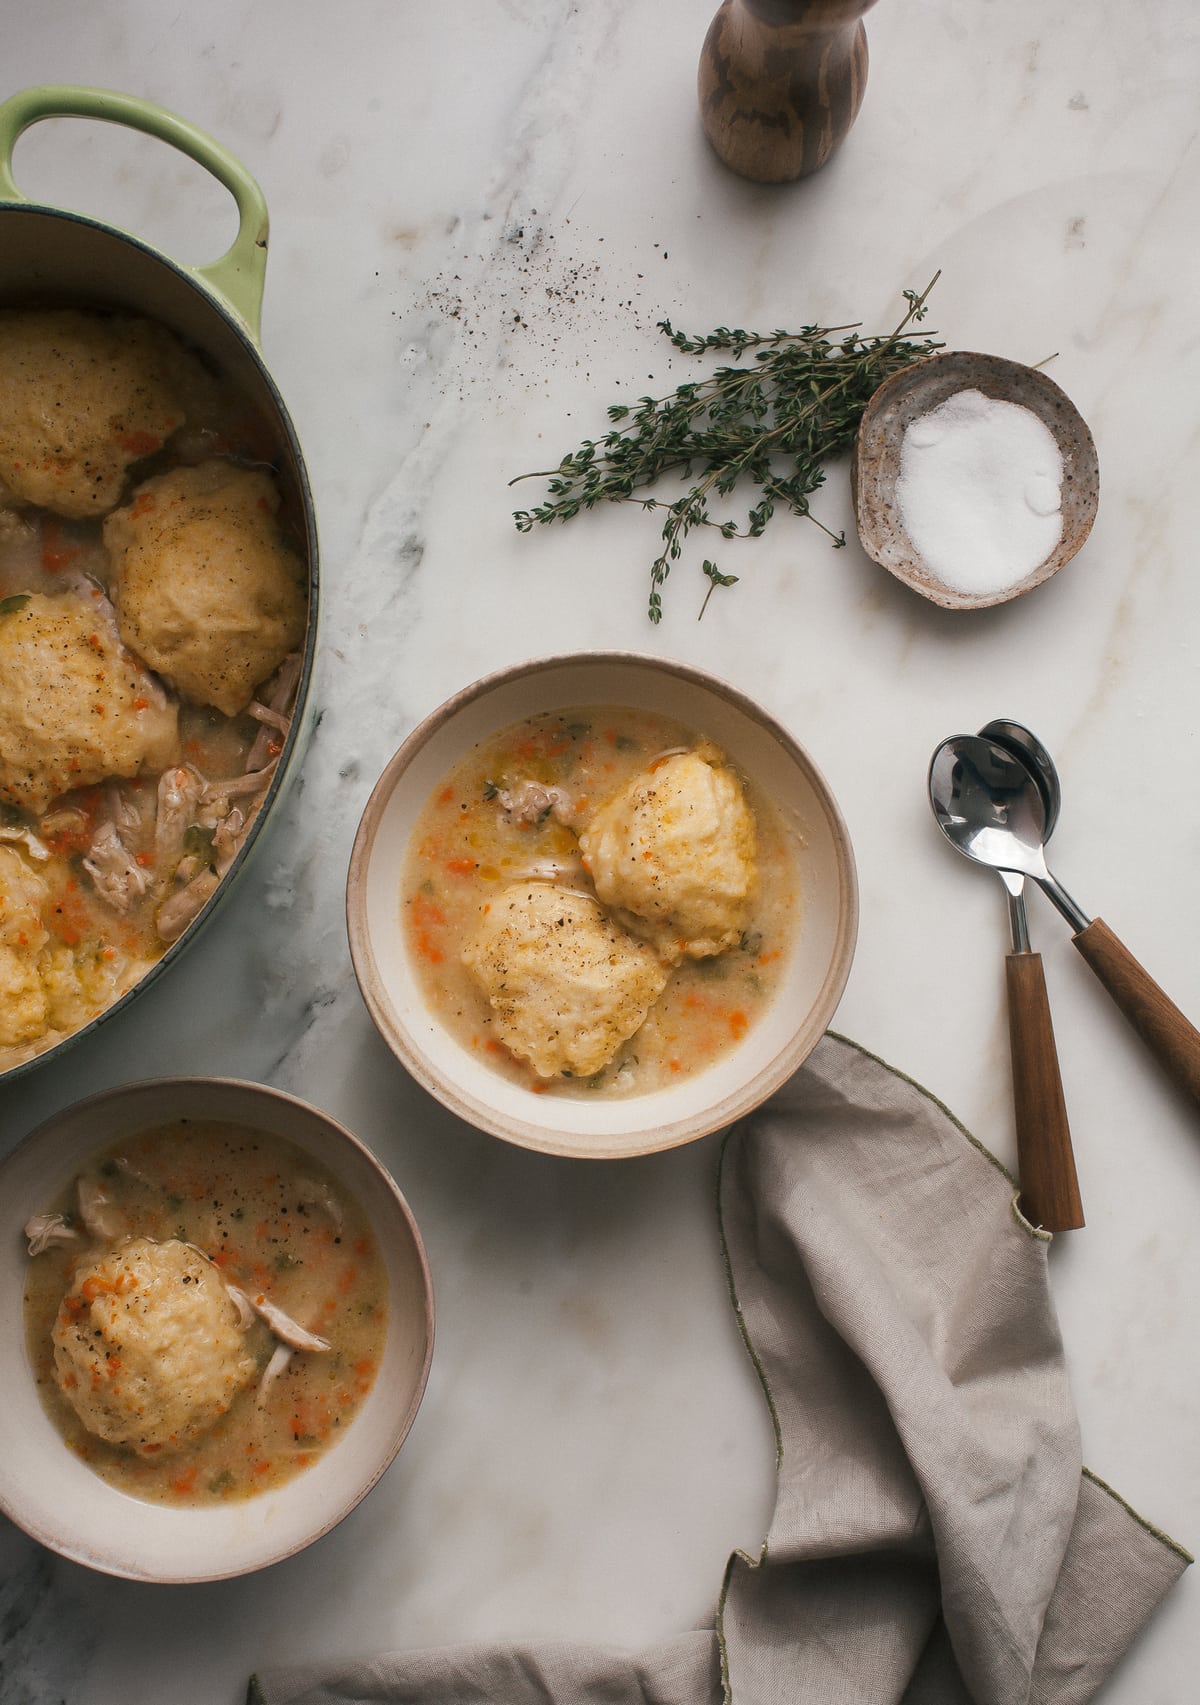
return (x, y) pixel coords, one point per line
(238, 277)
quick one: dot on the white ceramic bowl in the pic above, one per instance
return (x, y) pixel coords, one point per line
(56, 1498)
(779, 1041)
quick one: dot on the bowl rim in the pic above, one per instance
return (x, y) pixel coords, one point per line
(1001, 368)
(146, 1089)
(655, 1137)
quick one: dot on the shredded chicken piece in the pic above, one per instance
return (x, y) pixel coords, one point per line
(68, 821)
(284, 1327)
(49, 1231)
(530, 802)
(561, 870)
(101, 1219)
(239, 1299)
(271, 718)
(228, 837)
(115, 873)
(279, 698)
(313, 1195)
(85, 586)
(179, 790)
(25, 837)
(278, 1362)
(121, 808)
(254, 781)
(177, 911)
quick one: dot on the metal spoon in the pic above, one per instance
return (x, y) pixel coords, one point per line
(1026, 747)
(1045, 1158)
(990, 806)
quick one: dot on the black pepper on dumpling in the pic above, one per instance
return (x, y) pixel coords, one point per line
(675, 853)
(566, 985)
(82, 397)
(208, 592)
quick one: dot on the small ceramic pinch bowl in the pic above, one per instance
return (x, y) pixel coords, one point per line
(922, 387)
(56, 1498)
(775, 1045)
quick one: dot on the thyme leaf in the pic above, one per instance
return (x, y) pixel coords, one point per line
(774, 423)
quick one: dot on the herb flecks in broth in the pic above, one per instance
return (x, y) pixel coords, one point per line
(205, 1312)
(597, 902)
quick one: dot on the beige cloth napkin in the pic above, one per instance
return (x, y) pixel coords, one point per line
(935, 1539)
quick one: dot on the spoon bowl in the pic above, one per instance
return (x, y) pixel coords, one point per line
(989, 805)
(1025, 746)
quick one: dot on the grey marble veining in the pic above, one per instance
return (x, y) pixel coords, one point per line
(479, 214)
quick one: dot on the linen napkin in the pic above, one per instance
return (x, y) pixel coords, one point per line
(935, 1539)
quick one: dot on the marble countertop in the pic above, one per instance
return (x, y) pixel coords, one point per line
(479, 214)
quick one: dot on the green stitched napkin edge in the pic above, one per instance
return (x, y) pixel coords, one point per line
(1154, 1532)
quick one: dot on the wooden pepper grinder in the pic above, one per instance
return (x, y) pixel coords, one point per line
(781, 82)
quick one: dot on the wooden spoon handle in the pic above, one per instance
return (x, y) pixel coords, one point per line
(1157, 1020)
(1049, 1187)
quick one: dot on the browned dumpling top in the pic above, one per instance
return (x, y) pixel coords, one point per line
(75, 707)
(147, 1348)
(675, 854)
(207, 590)
(566, 986)
(82, 397)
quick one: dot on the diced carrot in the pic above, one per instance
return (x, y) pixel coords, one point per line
(139, 443)
(57, 551)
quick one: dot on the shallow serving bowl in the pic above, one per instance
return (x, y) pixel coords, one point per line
(779, 1041)
(56, 1498)
(915, 391)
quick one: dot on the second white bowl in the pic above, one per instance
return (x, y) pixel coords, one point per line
(812, 980)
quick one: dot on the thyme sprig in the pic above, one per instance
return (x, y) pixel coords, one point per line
(774, 423)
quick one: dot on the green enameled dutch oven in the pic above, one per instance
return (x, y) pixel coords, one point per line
(52, 257)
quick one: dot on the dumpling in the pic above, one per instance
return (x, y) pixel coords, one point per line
(82, 396)
(207, 591)
(75, 707)
(23, 1010)
(566, 986)
(46, 986)
(675, 855)
(147, 1348)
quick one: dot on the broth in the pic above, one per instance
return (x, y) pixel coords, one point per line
(277, 1225)
(469, 846)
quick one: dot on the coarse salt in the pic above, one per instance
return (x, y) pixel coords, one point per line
(980, 492)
